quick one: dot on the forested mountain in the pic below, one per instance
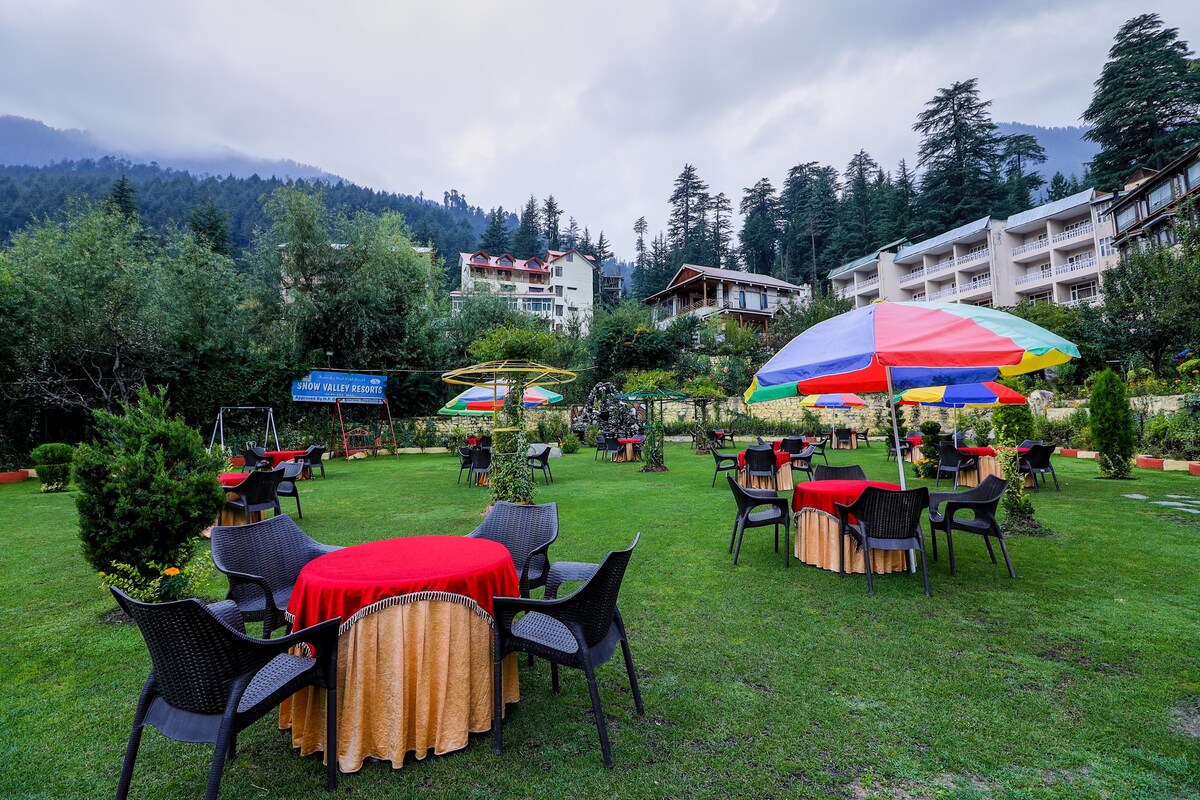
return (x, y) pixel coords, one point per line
(32, 143)
(1066, 149)
(168, 198)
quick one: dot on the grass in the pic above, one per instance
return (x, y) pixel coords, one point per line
(759, 681)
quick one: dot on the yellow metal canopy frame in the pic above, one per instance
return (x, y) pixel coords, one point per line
(491, 373)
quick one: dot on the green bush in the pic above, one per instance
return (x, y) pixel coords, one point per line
(1013, 424)
(570, 444)
(1112, 425)
(147, 487)
(926, 466)
(53, 464)
(983, 427)
(425, 434)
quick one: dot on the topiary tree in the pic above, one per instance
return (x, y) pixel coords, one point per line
(147, 488)
(510, 478)
(53, 464)
(926, 466)
(1112, 425)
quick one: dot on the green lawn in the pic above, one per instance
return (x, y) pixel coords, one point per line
(759, 681)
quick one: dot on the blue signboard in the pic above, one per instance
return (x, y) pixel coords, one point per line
(325, 387)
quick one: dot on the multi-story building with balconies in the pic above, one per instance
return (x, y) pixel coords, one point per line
(1053, 253)
(557, 288)
(707, 291)
(1144, 214)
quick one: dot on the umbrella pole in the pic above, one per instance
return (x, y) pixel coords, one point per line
(887, 371)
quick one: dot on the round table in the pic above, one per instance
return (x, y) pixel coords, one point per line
(817, 527)
(628, 452)
(783, 473)
(989, 464)
(279, 456)
(414, 648)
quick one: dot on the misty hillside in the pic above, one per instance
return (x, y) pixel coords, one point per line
(1066, 149)
(27, 142)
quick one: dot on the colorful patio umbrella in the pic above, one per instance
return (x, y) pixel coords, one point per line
(887, 346)
(967, 395)
(838, 400)
(479, 401)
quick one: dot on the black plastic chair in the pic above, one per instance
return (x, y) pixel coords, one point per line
(611, 447)
(720, 439)
(982, 501)
(485, 442)
(885, 520)
(581, 631)
(862, 435)
(819, 448)
(257, 492)
(802, 462)
(527, 532)
(761, 463)
(287, 486)
(724, 462)
(599, 446)
(481, 464)
(793, 445)
(541, 461)
(209, 680)
(464, 462)
(1029, 443)
(779, 513)
(1037, 462)
(844, 436)
(850, 472)
(953, 462)
(905, 446)
(262, 562)
(252, 457)
(314, 459)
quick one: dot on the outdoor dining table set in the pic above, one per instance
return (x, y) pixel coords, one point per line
(396, 646)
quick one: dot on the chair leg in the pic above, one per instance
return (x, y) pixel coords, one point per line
(554, 676)
(714, 480)
(1054, 475)
(131, 751)
(987, 541)
(949, 550)
(867, 563)
(787, 541)
(733, 538)
(1007, 561)
(497, 693)
(221, 747)
(841, 553)
(925, 569)
(738, 551)
(598, 710)
(933, 538)
(299, 513)
(633, 684)
(776, 537)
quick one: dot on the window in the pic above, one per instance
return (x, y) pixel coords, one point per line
(983, 277)
(741, 299)
(1106, 248)
(978, 250)
(558, 290)
(1084, 291)
(1159, 196)
(572, 289)
(762, 301)
(1041, 238)
(1041, 297)
(1193, 175)
(558, 310)
(1126, 217)
(570, 257)
(558, 272)
(918, 296)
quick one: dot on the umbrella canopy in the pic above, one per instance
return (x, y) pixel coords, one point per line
(967, 395)
(479, 401)
(839, 400)
(887, 346)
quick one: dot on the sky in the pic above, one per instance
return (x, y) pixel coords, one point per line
(598, 103)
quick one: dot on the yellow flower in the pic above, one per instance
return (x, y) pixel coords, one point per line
(171, 572)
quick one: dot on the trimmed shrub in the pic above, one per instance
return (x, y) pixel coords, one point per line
(926, 466)
(147, 488)
(53, 464)
(1112, 425)
(570, 444)
(1013, 424)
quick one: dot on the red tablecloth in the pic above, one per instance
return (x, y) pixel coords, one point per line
(343, 582)
(279, 456)
(781, 458)
(987, 451)
(231, 479)
(633, 440)
(821, 495)
(472, 441)
(915, 441)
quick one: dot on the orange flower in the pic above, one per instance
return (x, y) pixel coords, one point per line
(171, 572)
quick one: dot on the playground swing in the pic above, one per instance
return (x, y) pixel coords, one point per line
(363, 435)
(269, 431)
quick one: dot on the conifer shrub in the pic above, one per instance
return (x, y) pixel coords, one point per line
(1111, 425)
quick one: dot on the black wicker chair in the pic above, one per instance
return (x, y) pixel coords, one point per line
(779, 513)
(862, 435)
(793, 445)
(481, 464)
(850, 472)
(581, 631)
(725, 462)
(982, 502)
(600, 438)
(761, 463)
(464, 462)
(953, 462)
(527, 532)
(252, 457)
(611, 447)
(905, 446)
(262, 562)
(485, 442)
(314, 459)
(287, 486)
(541, 461)
(819, 448)
(886, 520)
(209, 680)
(257, 492)
(1029, 443)
(844, 436)
(802, 462)
(1037, 462)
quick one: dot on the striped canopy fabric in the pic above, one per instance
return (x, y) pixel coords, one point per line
(839, 400)
(481, 401)
(967, 395)
(920, 344)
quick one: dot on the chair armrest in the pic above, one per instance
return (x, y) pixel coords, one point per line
(323, 635)
(245, 578)
(505, 608)
(954, 506)
(228, 613)
(937, 498)
(782, 503)
(542, 549)
(761, 494)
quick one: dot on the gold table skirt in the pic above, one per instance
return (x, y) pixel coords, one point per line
(988, 465)
(784, 476)
(816, 543)
(412, 677)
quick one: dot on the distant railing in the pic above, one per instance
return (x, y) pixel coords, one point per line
(1076, 266)
(1032, 277)
(919, 272)
(973, 286)
(944, 293)
(970, 258)
(1074, 233)
(1030, 247)
(940, 266)
(868, 283)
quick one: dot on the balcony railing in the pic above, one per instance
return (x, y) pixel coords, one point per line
(974, 286)
(868, 283)
(917, 273)
(1074, 233)
(1075, 266)
(1032, 277)
(950, 292)
(940, 266)
(1030, 247)
(971, 258)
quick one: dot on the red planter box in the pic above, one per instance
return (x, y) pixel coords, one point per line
(14, 477)
(1066, 453)
(1194, 468)
(1145, 462)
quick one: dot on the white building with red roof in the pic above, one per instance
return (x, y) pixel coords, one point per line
(557, 288)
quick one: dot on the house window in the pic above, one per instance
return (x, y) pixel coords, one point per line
(1041, 297)
(558, 272)
(1159, 196)
(741, 299)
(570, 257)
(1193, 176)
(1126, 217)
(558, 310)
(558, 290)
(1084, 291)
(1106, 248)
(983, 277)
(1075, 227)
(918, 296)
(762, 301)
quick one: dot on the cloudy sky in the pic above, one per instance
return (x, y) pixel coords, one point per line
(599, 103)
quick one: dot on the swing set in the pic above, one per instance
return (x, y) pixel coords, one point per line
(269, 431)
(360, 438)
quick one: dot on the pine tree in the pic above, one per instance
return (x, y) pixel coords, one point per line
(960, 152)
(603, 254)
(640, 227)
(1021, 152)
(859, 203)
(1111, 424)
(1058, 188)
(1146, 107)
(550, 214)
(689, 196)
(495, 236)
(122, 198)
(211, 225)
(760, 227)
(527, 240)
(721, 231)
(570, 237)
(901, 206)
